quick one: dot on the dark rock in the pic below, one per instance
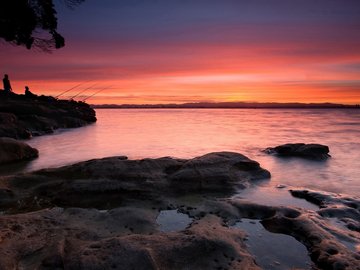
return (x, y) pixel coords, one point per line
(119, 180)
(12, 151)
(126, 236)
(22, 117)
(6, 197)
(345, 208)
(38, 125)
(12, 128)
(217, 171)
(200, 247)
(73, 122)
(310, 151)
(85, 242)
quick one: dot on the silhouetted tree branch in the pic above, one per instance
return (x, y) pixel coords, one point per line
(31, 23)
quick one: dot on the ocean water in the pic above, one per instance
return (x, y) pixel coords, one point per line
(187, 133)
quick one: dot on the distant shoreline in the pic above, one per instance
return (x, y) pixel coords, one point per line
(229, 105)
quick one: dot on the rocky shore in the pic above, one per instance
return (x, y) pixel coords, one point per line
(23, 117)
(101, 214)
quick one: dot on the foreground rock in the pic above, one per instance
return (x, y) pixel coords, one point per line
(98, 183)
(122, 198)
(22, 117)
(88, 239)
(310, 151)
(13, 151)
(345, 208)
(128, 237)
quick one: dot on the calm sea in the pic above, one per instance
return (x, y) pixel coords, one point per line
(187, 133)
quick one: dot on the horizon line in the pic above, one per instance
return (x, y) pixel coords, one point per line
(236, 104)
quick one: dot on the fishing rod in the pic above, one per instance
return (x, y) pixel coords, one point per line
(97, 92)
(72, 88)
(82, 91)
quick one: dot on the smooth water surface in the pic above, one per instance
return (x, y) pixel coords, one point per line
(172, 221)
(286, 251)
(186, 133)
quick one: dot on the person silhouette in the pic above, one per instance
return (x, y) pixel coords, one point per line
(7, 85)
(28, 92)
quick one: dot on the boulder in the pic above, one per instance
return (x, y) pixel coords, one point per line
(217, 171)
(11, 127)
(310, 151)
(12, 150)
(103, 181)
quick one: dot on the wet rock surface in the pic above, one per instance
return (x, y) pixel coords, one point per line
(110, 181)
(88, 239)
(309, 151)
(13, 151)
(22, 117)
(102, 214)
(345, 208)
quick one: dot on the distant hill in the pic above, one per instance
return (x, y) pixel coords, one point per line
(229, 105)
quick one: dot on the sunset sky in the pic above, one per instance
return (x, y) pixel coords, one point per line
(175, 51)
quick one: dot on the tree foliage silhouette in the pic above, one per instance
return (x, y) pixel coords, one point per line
(31, 23)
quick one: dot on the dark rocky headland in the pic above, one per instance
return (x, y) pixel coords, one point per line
(22, 117)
